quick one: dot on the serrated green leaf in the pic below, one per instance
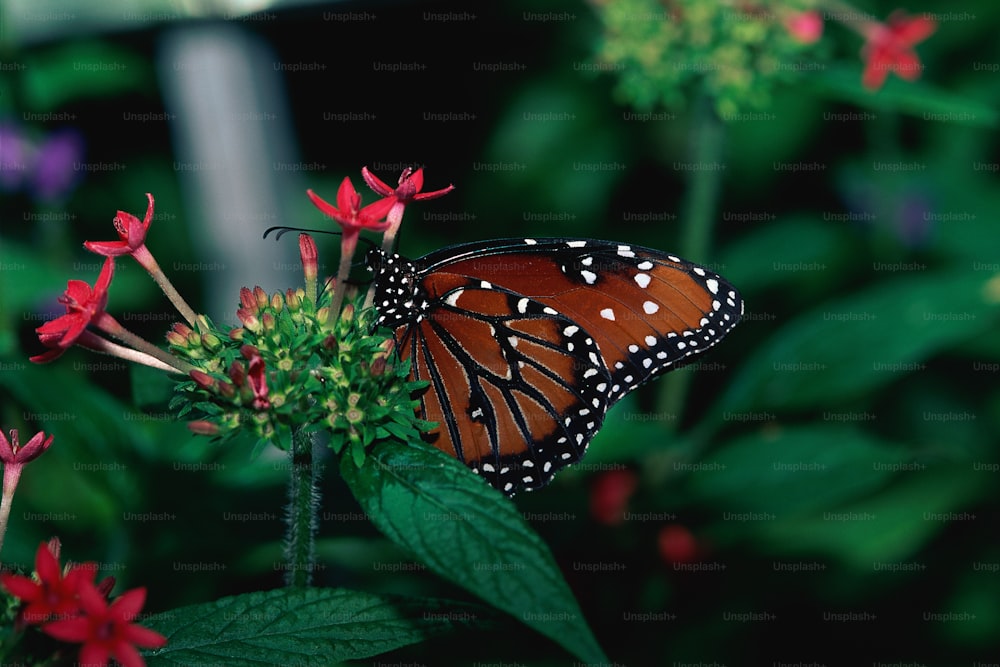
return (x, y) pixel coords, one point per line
(470, 534)
(303, 627)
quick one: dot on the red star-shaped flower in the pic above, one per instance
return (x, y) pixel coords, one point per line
(84, 306)
(889, 48)
(348, 212)
(106, 630)
(52, 594)
(410, 184)
(131, 232)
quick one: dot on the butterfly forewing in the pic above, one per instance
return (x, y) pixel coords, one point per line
(526, 343)
(647, 310)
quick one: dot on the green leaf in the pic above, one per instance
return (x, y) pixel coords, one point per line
(88, 69)
(848, 347)
(909, 97)
(889, 527)
(796, 470)
(302, 626)
(470, 534)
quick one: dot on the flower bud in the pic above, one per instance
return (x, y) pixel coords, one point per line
(211, 342)
(204, 380)
(247, 299)
(261, 296)
(307, 250)
(202, 427)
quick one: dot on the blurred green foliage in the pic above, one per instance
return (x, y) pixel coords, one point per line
(836, 454)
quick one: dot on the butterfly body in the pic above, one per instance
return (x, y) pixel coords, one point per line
(526, 343)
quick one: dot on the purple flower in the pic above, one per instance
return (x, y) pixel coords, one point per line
(55, 174)
(14, 156)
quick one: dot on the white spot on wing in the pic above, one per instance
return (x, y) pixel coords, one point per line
(650, 307)
(452, 299)
(642, 280)
(608, 314)
(713, 285)
(589, 277)
(522, 305)
(576, 244)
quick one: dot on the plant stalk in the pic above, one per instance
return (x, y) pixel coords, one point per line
(303, 508)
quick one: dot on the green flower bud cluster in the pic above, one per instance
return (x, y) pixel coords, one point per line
(735, 52)
(290, 366)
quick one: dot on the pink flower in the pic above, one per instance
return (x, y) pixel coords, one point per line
(889, 48)
(805, 27)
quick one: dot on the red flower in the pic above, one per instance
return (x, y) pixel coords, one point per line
(84, 306)
(677, 544)
(12, 453)
(889, 48)
(107, 630)
(410, 184)
(52, 594)
(131, 232)
(609, 496)
(348, 211)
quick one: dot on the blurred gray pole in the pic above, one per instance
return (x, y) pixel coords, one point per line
(234, 143)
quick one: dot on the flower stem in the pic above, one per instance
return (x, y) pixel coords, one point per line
(146, 260)
(11, 475)
(699, 211)
(303, 506)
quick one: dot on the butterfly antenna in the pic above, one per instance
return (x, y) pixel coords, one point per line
(281, 231)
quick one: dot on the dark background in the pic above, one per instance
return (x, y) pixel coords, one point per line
(853, 414)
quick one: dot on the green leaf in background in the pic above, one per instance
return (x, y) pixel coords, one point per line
(91, 69)
(796, 470)
(887, 528)
(916, 98)
(764, 258)
(847, 348)
(471, 535)
(302, 627)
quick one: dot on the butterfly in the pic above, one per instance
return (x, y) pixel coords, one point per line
(526, 343)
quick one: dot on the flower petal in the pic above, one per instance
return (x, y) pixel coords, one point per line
(375, 183)
(24, 588)
(348, 199)
(143, 637)
(369, 215)
(108, 248)
(75, 629)
(127, 655)
(94, 655)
